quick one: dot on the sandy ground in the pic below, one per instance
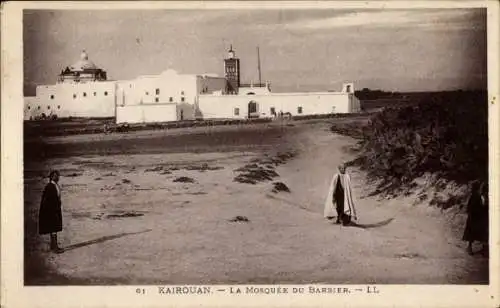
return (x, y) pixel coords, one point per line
(127, 222)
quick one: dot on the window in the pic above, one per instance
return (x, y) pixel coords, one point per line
(58, 106)
(52, 97)
(48, 107)
(74, 95)
(105, 93)
(182, 99)
(84, 94)
(299, 110)
(236, 111)
(157, 99)
(272, 110)
(29, 107)
(182, 92)
(147, 93)
(95, 93)
(171, 99)
(38, 107)
(157, 91)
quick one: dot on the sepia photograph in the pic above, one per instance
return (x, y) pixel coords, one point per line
(190, 148)
(295, 146)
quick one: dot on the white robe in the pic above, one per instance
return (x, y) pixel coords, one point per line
(330, 206)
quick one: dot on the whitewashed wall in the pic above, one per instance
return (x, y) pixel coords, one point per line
(212, 106)
(254, 90)
(168, 87)
(146, 113)
(30, 108)
(95, 99)
(209, 84)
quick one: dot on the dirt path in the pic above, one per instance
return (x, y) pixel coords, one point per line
(122, 227)
(396, 242)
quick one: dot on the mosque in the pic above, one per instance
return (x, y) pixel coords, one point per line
(83, 90)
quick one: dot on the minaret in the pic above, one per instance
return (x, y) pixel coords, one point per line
(232, 72)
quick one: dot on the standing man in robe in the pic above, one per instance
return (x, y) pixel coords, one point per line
(50, 216)
(339, 198)
(476, 227)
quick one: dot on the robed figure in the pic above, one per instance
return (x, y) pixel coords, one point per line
(50, 215)
(476, 226)
(339, 198)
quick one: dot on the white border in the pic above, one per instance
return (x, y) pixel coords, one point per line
(14, 294)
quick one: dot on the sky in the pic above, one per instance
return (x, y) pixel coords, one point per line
(300, 49)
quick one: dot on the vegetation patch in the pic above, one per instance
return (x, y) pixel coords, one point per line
(253, 175)
(239, 219)
(184, 179)
(124, 214)
(155, 169)
(262, 169)
(280, 186)
(444, 134)
(107, 215)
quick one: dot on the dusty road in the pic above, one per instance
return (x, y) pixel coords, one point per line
(126, 221)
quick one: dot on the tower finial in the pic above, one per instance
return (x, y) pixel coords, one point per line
(231, 53)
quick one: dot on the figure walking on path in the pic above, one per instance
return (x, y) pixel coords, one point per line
(50, 216)
(339, 198)
(476, 226)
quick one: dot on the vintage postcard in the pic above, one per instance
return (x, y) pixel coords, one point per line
(288, 154)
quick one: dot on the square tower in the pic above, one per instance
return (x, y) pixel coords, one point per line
(232, 72)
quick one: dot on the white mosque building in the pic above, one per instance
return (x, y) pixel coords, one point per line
(82, 90)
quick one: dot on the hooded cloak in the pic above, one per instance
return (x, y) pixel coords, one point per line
(330, 202)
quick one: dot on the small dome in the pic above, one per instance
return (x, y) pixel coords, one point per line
(83, 64)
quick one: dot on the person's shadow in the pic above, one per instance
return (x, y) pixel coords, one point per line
(101, 239)
(369, 226)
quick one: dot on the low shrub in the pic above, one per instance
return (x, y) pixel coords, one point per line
(445, 134)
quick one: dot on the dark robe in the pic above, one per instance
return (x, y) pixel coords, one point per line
(476, 226)
(50, 216)
(338, 196)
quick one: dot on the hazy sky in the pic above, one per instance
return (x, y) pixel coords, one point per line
(399, 50)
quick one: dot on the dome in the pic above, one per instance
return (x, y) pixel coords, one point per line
(83, 64)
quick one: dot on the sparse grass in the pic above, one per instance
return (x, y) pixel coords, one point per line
(262, 169)
(280, 186)
(184, 179)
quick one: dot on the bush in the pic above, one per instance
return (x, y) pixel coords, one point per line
(445, 134)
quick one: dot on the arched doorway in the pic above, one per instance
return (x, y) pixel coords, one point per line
(253, 110)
